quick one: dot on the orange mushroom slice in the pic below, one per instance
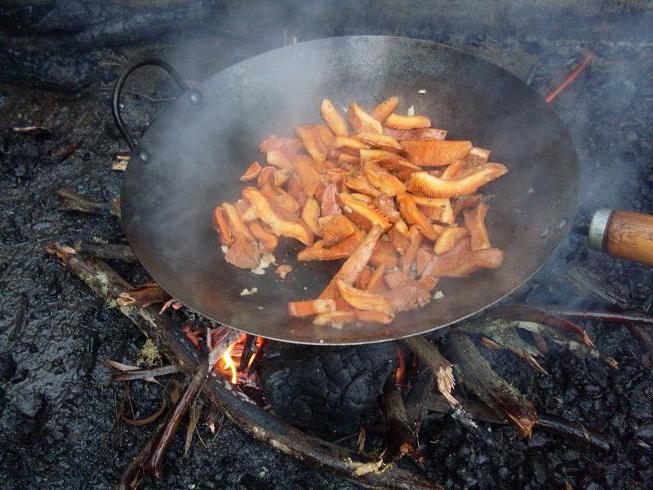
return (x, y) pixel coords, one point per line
(383, 180)
(243, 254)
(335, 319)
(281, 198)
(308, 174)
(381, 141)
(333, 119)
(475, 223)
(221, 225)
(311, 307)
(373, 317)
(266, 176)
(397, 121)
(279, 226)
(386, 205)
(316, 141)
(360, 299)
(413, 216)
(436, 153)
(432, 186)
(416, 238)
(329, 205)
(279, 159)
(251, 173)
(436, 208)
(337, 229)
(267, 240)
(361, 121)
(418, 134)
(448, 239)
(356, 181)
(289, 146)
(341, 250)
(384, 255)
(478, 156)
(238, 227)
(311, 215)
(454, 170)
(347, 159)
(352, 144)
(369, 215)
(375, 281)
(400, 237)
(385, 108)
(387, 159)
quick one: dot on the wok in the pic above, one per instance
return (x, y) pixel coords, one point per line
(190, 159)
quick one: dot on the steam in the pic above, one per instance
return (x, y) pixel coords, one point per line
(604, 112)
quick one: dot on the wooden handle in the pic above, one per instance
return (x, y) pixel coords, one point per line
(630, 235)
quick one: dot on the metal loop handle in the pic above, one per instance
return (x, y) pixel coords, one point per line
(117, 92)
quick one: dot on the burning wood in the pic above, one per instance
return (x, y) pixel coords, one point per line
(104, 282)
(439, 366)
(477, 375)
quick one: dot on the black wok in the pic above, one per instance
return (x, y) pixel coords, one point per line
(193, 154)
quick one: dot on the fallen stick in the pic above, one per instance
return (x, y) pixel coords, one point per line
(138, 374)
(73, 201)
(548, 423)
(107, 251)
(441, 367)
(605, 316)
(477, 375)
(251, 418)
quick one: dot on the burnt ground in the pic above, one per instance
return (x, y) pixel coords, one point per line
(58, 408)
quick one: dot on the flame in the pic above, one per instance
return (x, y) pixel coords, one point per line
(228, 363)
(230, 360)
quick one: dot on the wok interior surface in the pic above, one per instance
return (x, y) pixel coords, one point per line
(199, 152)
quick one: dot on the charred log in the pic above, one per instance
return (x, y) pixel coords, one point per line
(478, 376)
(73, 201)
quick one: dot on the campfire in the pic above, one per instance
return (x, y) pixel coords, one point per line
(421, 379)
(550, 386)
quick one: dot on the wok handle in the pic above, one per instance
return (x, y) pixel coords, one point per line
(117, 91)
(623, 234)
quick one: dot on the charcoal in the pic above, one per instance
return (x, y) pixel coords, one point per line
(326, 391)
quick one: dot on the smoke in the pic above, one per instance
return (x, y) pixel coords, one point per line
(606, 112)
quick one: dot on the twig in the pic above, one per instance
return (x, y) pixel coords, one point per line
(570, 78)
(441, 367)
(152, 465)
(548, 423)
(108, 251)
(149, 419)
(250, 417)
(605, 316)
(133, 473)
(195, 413)
(138, 374)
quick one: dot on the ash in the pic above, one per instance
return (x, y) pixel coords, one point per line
(58, 423)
